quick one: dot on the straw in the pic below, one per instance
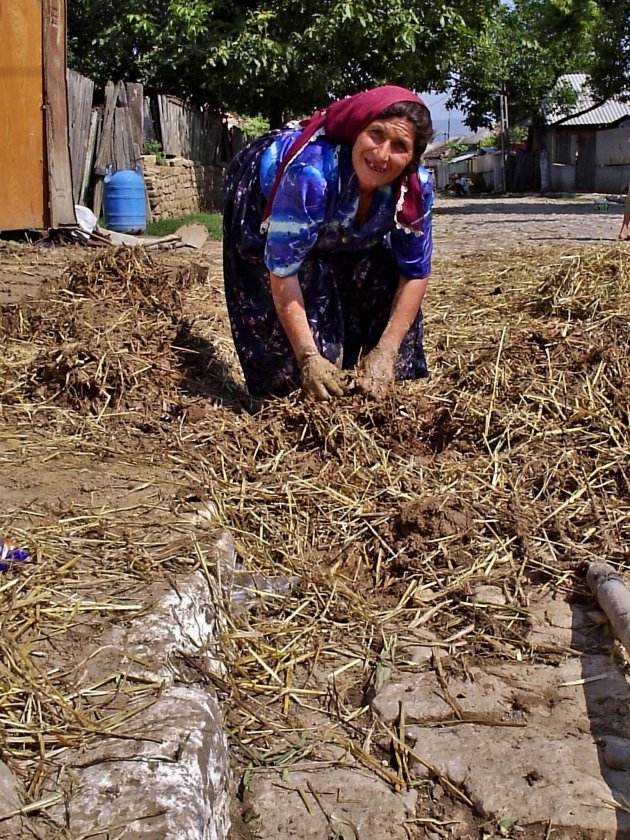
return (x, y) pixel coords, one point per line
(507, 468)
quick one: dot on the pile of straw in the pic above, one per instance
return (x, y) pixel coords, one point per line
(104, 337)
(508, 467)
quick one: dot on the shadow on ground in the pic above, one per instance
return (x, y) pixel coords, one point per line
(514, 206)
(205, 374)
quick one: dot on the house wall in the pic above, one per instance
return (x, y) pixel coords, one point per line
(483, 168)
(562, 145)
(178, 187)
(562, 178)
(612, 155)
(612, 159)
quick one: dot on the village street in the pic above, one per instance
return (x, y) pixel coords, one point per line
(481, 222)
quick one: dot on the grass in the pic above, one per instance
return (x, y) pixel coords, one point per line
(213, 221)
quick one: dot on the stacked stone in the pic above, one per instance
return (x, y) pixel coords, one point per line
(177, 186)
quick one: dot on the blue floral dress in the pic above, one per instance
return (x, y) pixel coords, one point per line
(348, 273)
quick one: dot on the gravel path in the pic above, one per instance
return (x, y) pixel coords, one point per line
(481, 223)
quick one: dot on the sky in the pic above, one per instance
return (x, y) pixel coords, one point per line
(440, 117)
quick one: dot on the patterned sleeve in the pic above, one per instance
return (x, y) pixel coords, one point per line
(298, 211)
(413, 253)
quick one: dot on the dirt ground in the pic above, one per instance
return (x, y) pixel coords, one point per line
(122, 413)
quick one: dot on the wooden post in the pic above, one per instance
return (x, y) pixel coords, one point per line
(56, 113)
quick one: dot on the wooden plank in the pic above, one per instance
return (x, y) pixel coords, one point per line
(104, 153)
(80, 96)
(148, 125)
(89, 156)
(22, 176)
(123, 149)
(135, 100)
(97, 197)
(60, 196)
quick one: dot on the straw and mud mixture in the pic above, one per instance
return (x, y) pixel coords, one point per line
(122, 412)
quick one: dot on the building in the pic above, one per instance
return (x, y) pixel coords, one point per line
(587, 144)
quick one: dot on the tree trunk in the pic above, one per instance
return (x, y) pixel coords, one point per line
(276, 114)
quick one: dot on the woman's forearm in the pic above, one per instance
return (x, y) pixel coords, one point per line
(405, 307)
(289, 303)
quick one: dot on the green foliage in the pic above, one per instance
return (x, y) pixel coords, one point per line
(165, 227)
(254, 126)
(610, 65)
(527, 46)
(457, 149)
(154, 147)
(282, 58)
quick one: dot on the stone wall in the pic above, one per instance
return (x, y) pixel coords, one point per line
(177, 187)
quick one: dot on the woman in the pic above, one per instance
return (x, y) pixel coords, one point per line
(623, 232)
(327, 248)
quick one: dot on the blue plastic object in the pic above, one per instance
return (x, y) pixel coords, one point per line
(10, 552)
(124, 201)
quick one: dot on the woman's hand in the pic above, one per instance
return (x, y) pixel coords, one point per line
(376, 371)
(320, 378)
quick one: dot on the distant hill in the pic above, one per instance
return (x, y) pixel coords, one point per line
(441, 127)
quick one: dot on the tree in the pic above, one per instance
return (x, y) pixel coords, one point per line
(276, 57)
(526, 48)
(610, 67)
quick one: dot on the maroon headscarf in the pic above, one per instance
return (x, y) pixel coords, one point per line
(342, 122)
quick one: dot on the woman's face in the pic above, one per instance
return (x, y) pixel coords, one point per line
(382, 151)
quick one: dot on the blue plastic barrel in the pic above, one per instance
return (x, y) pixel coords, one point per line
(124, 201)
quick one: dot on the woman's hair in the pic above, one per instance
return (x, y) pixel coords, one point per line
(418, 115)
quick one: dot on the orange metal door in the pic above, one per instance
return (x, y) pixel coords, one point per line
(22, 175)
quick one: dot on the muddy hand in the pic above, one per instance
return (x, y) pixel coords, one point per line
(320, 378)
(375, 372)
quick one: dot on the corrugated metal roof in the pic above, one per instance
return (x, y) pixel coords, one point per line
(465, 156)
(605, 114)
(586, 110)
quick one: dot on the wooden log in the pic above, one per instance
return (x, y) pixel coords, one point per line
(613, 596)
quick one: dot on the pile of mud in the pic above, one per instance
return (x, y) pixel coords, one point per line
(101, 338)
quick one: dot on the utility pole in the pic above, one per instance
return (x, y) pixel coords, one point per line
(504, 128)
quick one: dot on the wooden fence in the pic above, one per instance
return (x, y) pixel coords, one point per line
(189, 132)
(116, 133)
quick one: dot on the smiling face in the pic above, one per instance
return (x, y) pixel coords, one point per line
(382, 152)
